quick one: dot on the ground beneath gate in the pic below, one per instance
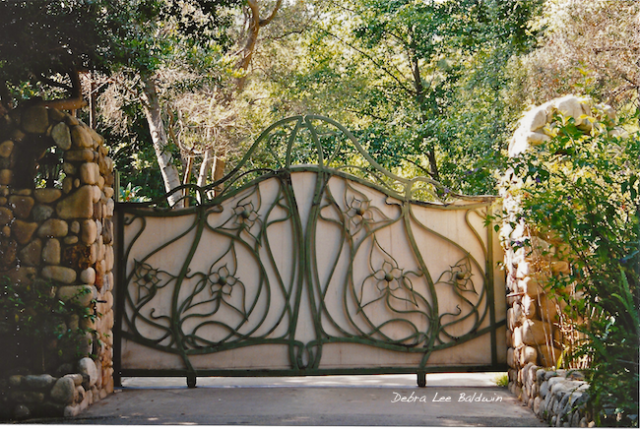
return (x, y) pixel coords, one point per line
(390, 400)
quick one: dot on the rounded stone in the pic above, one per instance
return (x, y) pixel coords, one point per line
(21, 205)
(71, 120)
(6, 177)
(72, 239)
(59, 274)
(21, 412)
(35, 120)
(61, 135)
(77, 205)
(47, 196)
(56, 116)
(81, 295)
(89, 173)
(81, 138)
(69, 168)
(39, 382)
(75, 227)
(53, 228)
(77, 378)
(6, 147)
(88, 276)
(67, 185)
(97, 138)
(85, 155)
(108, 258)
(108, 281)
(51, 252)
(89, 231)
(71, 411)
(535, 332)
(8, 252)
(21, 275)
(31, 253)
(87, 366)
(17, 135)
(544, 389)
(528, 354)
(41, 213)
(6, 216)
(63, 391)
(80, 393)
(23, 231)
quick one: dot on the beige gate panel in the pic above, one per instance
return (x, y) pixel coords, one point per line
(310, 269)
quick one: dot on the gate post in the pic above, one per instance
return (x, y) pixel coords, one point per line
(56, 258)
(422, 379)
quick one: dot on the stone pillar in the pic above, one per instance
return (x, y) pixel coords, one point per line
(63, 235)
(534, 337)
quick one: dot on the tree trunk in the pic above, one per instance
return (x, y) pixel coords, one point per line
(207, 161)
(250, 45)
(218, 170)
(151, 106)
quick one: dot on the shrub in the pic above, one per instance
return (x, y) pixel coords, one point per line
(37, 330)
(580, 191)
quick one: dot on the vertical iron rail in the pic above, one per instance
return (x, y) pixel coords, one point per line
(118, 290)
(491, 287)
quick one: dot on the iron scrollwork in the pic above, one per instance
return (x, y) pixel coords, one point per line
(246, 296)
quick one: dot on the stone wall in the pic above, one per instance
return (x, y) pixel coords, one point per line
(62, 235)
(535, 337)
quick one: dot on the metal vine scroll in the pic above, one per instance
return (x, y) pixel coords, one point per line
(322, 263)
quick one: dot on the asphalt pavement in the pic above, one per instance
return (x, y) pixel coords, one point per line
(386, 400)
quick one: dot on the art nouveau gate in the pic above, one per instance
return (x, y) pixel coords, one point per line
(324, 263)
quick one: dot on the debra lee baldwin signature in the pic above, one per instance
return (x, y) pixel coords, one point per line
(462, 397)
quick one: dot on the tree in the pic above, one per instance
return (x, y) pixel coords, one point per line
(51, 43)
(42, 42)
(408, 75)
(590, 47)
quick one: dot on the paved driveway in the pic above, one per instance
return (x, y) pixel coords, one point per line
(390, 400)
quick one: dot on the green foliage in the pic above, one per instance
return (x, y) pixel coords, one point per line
(502, 380)
(39, 39)
(34, 327)
(423, 85)
(580, 190)
(130, 194)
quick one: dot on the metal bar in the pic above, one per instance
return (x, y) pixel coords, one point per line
(491, 287)
(119, 291)
(313, 372)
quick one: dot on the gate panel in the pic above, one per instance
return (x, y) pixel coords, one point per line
(316, 268)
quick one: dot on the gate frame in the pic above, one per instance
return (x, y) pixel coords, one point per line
(302, 122)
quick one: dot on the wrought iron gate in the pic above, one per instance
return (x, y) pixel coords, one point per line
(324, 263)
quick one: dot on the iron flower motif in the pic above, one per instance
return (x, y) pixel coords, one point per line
(226, 288)
(388, 276)
(391, 282)
(148, 280)
(222, 281)
(459, 276)
(246, 215)
(358, 214)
